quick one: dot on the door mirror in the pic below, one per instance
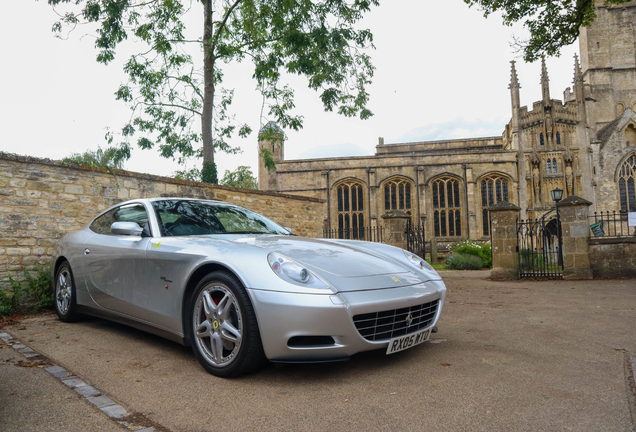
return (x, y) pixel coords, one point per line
(126, 228)
(290, 230)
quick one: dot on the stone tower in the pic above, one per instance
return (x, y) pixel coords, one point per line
(608, 61)
(272, 138)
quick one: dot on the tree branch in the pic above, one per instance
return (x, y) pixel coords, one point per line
(217, 35)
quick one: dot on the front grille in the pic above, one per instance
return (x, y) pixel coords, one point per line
(391, 323)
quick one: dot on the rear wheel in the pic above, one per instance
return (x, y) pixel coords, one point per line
(224, 333)
(65, 296)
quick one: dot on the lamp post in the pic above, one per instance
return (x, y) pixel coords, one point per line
(557, 195)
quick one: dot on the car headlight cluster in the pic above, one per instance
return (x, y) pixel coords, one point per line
(292, 272)
(418, 262)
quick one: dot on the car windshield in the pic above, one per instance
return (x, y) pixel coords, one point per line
(185, 218)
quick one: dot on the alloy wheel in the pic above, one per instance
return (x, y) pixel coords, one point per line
(218, 324)
(64, 291)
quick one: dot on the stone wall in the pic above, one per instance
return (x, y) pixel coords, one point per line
(613, 257)
(41, 200)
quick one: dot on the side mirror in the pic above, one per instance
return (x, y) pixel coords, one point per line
(126, 228)
(290, 230)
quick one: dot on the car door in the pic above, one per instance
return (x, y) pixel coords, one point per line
(116, 263)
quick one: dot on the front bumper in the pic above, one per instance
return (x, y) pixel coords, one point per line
(282, 316)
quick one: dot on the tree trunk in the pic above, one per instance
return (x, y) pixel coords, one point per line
(208, 85)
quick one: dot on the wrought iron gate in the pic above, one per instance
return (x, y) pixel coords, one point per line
(415, 239)
(540, 253)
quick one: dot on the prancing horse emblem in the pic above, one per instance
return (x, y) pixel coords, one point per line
(409, 320)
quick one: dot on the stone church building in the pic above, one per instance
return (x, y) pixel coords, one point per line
(584, 144)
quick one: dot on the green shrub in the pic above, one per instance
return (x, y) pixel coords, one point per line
(472, 248)
(486, 255)
(464, 262)
(35, 294)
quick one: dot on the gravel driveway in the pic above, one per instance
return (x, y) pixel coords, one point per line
(524, 356)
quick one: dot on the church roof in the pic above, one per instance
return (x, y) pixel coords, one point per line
(606, 132)
(271, 126)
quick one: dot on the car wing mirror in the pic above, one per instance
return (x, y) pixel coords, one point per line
(126, 228)
(290, 230)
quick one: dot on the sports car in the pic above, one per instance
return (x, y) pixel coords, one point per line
(239, 288)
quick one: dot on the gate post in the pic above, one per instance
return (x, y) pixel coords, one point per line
(505, 253)
(575, 229)
(395, 228)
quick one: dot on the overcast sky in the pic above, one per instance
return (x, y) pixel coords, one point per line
(442, 72)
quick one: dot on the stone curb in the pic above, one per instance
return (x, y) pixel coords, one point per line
(630, 372)
(90, 394)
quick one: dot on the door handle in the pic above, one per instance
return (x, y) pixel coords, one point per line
(86, 251)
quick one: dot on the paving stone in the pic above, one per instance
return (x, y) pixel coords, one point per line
(62, 375)
(4, 335)
(150, 429)
(100, 401)
(25, 350)
(18, 346)
(87, 390)
(115, 411)
(54, 369)
(73, 382)
(29, 355)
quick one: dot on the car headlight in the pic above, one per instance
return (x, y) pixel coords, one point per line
(418, 262)
(292, 272)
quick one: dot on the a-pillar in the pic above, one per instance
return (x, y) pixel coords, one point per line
(575, 229)
(395, 228)
(505, 254)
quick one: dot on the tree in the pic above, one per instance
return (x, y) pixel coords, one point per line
(168, 89)
(100, 158)
(242, 178)
(552, 24)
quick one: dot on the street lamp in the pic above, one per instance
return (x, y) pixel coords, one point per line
(557, 195)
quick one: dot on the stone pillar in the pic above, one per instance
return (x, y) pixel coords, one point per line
(395, 228)
(505, 253)
(575, 229)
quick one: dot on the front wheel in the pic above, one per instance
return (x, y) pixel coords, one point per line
(65, 296)
(224, 333)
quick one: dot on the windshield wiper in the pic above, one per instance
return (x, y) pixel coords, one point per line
(246, 232)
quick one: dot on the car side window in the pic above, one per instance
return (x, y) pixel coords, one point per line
(102, 224)
(127, 213)
(132, 213)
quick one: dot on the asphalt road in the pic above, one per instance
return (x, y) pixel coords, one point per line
(523, 356)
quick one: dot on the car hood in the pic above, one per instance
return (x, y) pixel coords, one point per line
(328, 257)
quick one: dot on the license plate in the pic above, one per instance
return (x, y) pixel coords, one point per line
(403, 342)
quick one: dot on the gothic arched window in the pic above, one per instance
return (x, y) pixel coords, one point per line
(630, 135)
(447, 219)
(554, 166)
(549, 166)
(397, 195)
(494, 189)
(626, 185)
(558, 138)
(350, 196)
(541, 140)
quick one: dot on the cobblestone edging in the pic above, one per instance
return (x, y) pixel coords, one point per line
(630, 372)
(132, 421)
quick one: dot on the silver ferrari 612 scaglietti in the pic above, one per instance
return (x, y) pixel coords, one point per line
(239, 288)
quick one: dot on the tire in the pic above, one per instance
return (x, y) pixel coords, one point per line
(223, 330)
(65, 298)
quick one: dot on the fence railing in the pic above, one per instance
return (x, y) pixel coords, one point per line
(415, 239)
(539, 249)
(372, 234)
(610, 224)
